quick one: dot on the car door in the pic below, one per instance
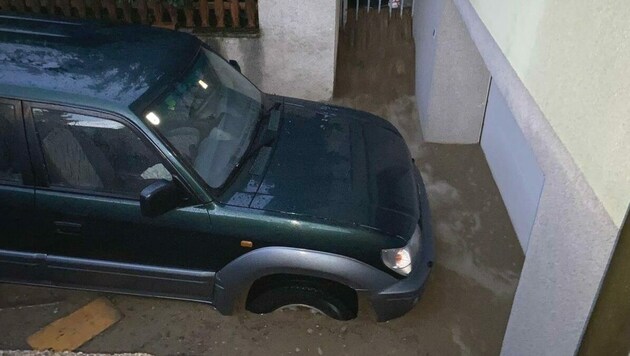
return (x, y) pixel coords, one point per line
(92, 169)
(20, 255)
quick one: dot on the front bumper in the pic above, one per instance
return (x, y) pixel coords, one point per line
(399, 298)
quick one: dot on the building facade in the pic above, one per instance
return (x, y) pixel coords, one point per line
(295, 52)
(541, 86)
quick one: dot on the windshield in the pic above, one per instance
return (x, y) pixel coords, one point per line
(209, 117)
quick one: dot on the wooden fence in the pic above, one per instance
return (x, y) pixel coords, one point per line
(162, 13)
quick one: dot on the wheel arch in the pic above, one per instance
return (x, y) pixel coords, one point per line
(233, 281)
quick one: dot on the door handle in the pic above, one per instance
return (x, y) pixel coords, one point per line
(67, 228)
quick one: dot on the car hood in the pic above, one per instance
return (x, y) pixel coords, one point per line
(336, 164)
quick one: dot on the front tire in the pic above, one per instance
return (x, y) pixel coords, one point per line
(336, 301)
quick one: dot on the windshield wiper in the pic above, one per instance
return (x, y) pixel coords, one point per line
(265, 142)
(273, 107)
(268, 137)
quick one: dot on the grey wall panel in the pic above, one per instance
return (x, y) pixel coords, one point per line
(513, 165)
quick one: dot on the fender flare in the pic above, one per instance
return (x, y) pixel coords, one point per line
(233, 280)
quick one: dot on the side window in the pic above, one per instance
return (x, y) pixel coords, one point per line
(12, 145)
(95, 154)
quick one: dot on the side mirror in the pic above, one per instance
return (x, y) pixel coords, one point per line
(235, 64)
(159, 198)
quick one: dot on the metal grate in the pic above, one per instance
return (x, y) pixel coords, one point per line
(378, 5)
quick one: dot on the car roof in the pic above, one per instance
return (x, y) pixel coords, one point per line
(88, 63)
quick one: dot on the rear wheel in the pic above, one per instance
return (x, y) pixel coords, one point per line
(330, 298)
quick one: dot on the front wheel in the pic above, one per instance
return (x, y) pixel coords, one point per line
(338, 302)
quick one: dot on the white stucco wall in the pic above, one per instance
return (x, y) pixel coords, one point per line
(573, 58)
(296, 52)
(451, 79)
(426, 22)
(573, 235)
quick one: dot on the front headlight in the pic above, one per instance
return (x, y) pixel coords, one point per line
(401, 259)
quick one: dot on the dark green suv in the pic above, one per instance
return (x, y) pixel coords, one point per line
(137, 160)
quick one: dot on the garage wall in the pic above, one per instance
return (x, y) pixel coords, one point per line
(572, 56)
(296, 52)
(513, 165)
(573, 235)
(427, 16)
(451, 79)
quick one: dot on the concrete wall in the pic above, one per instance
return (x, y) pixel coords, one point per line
(451, 79)
(426, 21)
(296, 52)
(572, 56)
(573, 235)
(513, 165)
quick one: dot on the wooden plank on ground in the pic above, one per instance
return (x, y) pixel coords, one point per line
(72, 331)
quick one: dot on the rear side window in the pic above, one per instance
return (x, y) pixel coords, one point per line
(95, 154)
(12, 145)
